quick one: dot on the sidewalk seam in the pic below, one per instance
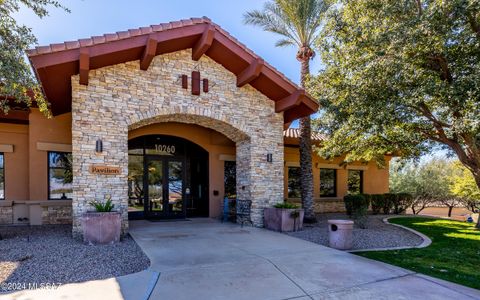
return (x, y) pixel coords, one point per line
(445, 286)
(151, 285)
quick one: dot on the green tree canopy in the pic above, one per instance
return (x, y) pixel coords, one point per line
(435, 180)
(464, 187)
(16, 80)
(401, 77)
(430, 179)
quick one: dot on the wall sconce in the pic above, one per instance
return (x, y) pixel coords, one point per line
(269, 157)
(99, 146)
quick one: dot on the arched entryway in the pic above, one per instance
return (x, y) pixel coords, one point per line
(135, 99)
(167, 178)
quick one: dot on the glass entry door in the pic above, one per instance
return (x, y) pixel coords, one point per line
(164, 187)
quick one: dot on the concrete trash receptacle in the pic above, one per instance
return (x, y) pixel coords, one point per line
(340, 234)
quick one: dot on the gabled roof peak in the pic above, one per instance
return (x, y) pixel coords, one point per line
(56, 63)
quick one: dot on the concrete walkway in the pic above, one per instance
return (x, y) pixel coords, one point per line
(204, 259)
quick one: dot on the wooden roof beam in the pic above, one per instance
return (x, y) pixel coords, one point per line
(290, 115)
(148, 53)
(286, 125)
(290, 101)
(84, 65)
(204, 43)
(251, 72)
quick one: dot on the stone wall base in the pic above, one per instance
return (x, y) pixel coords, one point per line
(324, 205)
(52, 215)
(6, 215)
(35, 212)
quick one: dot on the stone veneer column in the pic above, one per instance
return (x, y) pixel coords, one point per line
(257, 179)
(123, 97)
(88, 126)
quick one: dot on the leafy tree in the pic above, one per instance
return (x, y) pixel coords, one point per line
(429, 182)
(16, 80)
(298, 22)
(464, 187)
(401, 77)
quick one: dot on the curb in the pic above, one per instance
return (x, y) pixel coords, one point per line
(426, 240)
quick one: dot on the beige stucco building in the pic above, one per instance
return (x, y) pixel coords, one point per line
(166, 121)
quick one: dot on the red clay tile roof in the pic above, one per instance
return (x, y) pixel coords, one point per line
(295, 133)
(56, 63)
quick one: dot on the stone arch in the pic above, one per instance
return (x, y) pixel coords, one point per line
(224, 124)
(219, 122)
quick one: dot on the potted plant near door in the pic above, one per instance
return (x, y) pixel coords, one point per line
(284, 217)
(103, 225)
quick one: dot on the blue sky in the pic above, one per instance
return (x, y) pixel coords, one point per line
(90, 17)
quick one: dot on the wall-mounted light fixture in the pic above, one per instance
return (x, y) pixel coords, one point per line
(99, 146)
(269, 157)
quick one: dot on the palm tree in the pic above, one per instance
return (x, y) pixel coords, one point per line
(298, 23)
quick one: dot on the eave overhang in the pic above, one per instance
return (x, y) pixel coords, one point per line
(55, 64)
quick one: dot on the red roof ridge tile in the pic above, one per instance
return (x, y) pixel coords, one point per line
(295, 133)
(68, 51)
(120, 35)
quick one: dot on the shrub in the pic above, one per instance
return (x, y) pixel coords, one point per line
(357, 207)
(377, 202)
(388, 201)
(348, 200)
(286, 205)
(368, 198)
(106, 206)
(401, 202)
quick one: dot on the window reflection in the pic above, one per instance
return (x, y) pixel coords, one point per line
(355, 181)
(60, 175)
(294, 182)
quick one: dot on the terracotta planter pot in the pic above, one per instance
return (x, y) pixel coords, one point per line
(101, 227)
(280, 219)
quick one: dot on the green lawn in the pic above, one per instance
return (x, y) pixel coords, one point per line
(454, 254)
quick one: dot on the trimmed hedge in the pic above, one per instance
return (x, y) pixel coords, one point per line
(389, 203)
(402, 202)
(355, 202)
(377, 203)
(357, 207)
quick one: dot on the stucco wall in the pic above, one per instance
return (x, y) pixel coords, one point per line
(123, 97)
(56, 130)
(16, 162)
(375, 179)
(26, 176)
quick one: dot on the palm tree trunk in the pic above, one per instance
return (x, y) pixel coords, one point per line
(306, 191)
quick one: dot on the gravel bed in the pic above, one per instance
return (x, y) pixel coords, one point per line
(376, 235)
(49, 254)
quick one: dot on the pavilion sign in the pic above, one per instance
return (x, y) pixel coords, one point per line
(105, 170)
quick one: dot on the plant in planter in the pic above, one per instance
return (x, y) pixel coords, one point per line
(284, 217)
(103, 225)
